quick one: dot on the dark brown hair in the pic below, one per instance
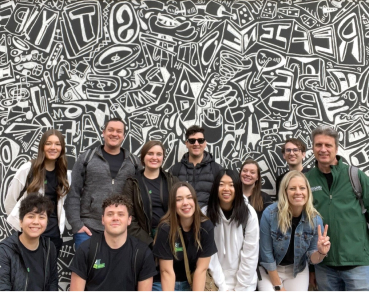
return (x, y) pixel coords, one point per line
(118, 200)
(171, 218)
(256, 200)
(193, 130)
(145, 148)
(38, 167)
(296, 142)
(34, 202)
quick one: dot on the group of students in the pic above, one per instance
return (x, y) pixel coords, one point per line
(161, 230)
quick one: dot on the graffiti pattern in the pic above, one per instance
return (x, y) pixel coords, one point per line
(252, 73)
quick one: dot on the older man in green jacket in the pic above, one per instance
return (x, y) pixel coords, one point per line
(346, 267)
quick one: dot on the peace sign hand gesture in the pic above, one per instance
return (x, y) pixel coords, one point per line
(323, 241)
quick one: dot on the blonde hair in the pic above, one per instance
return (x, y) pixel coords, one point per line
(284, 207)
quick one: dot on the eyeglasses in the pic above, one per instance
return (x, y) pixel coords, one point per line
(193, 141)
(294, 150)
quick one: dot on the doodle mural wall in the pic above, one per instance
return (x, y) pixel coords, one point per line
(252, 73)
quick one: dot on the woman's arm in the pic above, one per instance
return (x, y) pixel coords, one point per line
(168, 278)
(217, 272)
(249, 254)
(199, 276)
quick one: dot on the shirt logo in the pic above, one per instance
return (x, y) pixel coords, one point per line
(177, 247)
(98, 265)
(317, 188)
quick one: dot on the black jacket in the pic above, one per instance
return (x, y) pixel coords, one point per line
(13, 272)
(201, 176)
(141, 218)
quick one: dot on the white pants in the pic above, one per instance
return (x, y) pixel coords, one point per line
(300, 283)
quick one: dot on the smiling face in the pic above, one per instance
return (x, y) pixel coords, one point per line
(226, 192)
(297, 192)
(52, 148)
(325, 150)
(116, 220)
(293, 155)
(249, 174)
(154, 158)
(114, 134)
(185, 205)
(34, 224)
(196, 150)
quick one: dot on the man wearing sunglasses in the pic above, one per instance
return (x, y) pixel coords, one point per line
(293, 152)
(197, 166)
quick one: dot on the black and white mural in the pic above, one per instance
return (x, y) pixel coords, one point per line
(252, 73)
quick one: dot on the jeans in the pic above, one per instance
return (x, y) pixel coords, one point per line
(290, 283)
(329, 279)
(179, 286)
(79, 238)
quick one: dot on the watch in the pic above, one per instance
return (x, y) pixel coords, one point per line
(277, 288)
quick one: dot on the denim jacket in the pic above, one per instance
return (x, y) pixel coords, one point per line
(274, 244)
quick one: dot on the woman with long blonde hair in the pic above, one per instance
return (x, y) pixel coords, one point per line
(47, 175)
(183, 219)
(291, 236)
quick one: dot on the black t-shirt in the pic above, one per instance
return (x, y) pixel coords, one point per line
(34, 260)
(115, 161)
(113, 269)
(154, 188)
(51, 184)
(289, 257)
(163, 251)
(329, 177)
(228, 214)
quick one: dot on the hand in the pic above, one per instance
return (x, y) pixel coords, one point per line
(323, 241)
(86, 230)
(312, 280)
(283, 289)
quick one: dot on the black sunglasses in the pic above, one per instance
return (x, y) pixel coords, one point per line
(193, 141)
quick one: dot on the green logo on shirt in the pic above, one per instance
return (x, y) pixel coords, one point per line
(178, 248)
(98, 265)
(45, 182)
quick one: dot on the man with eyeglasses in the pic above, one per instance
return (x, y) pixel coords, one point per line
(198, 166)
(293, 152)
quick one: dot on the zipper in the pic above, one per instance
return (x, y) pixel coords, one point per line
(112, 182)
(134, 266)
(93, 260)
(47, 259)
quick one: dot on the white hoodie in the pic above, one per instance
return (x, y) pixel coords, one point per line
(233, 267)
(16, 186)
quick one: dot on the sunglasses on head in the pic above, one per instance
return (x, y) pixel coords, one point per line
(193, 141)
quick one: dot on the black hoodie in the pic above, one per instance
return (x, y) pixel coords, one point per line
(13, 272)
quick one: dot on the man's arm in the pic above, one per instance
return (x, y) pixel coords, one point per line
(199, 276)
(77, 283)
(73, 201)
(145, 285)
(167, 275)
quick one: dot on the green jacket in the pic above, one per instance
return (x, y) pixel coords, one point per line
(341, 210)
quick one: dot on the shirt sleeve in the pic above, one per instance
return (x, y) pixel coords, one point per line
(161, 248)
(267, 259)
(207, 240)
(79, 262)
(148, 268)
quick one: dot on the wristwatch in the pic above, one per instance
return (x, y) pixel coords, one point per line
(278, 287)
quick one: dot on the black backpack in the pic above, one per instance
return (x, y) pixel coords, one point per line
(95, 245)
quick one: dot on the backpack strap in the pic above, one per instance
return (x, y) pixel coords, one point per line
(176, 169)
(95, 245)
(89, 154)
(357, 188)
(27, 183)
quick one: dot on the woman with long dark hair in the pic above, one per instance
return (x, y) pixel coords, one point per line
(250, 175)
(47, 175)
(291, 237)
(149, 192)
(236, 234)
(183, 220)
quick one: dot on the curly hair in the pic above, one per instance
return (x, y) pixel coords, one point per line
(34, 202)
(118, 200)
